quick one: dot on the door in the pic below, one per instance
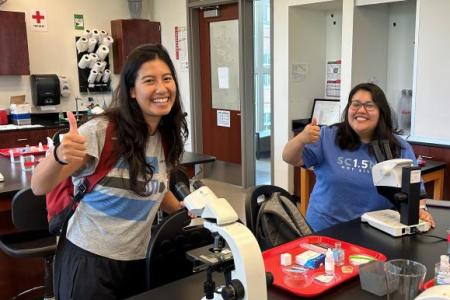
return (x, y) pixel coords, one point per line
(219, 73)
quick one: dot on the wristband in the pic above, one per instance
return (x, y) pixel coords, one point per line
(56, 156)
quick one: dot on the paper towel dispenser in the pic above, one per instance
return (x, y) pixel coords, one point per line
(45, 89)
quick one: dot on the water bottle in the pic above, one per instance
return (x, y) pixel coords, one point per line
(448, 241)
(443, 276)
(329, 263)
(405, 111)
(338, 254)
(11, 155)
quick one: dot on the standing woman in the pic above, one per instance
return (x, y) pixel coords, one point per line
(103, 256)
(343, 160)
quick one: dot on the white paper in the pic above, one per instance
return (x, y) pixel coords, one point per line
(326, 112)
(223, 74)
(415, 176)
(299, 72)
(223, 118)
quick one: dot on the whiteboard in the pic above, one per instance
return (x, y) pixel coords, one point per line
(431, 109)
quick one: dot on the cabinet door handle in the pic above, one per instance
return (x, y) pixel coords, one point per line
(22, 140)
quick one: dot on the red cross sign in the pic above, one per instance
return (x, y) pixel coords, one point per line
(38, 18)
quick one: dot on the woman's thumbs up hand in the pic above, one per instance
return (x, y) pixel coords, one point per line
(311, 133)
(73, 145)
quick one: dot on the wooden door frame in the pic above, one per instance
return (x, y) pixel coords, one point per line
(246, 81)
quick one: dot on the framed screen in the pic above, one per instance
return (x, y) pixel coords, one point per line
(326, 111)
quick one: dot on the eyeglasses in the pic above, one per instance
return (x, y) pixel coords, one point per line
(368, 106)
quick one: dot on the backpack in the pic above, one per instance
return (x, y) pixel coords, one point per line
(279, 221)
(62, 201)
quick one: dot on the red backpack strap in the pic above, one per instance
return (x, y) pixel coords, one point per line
(165, 146)
(106, 162)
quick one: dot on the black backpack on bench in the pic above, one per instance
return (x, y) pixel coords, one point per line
(279, 221)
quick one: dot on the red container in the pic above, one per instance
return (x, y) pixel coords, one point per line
(312, 288)
(3, 117)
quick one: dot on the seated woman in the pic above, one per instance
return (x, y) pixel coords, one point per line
(343, 160)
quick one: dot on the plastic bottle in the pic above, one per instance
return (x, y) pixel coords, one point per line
(448, 241)
(338, 254)
(405, 111)
(11, 155)
(329, 262)
(443, 276)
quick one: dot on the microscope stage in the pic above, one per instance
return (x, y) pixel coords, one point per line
(388, 220)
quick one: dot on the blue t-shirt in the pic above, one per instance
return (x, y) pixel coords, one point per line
(344, 188)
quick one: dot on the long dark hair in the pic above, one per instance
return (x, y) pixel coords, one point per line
(131, 128)
(348, 139)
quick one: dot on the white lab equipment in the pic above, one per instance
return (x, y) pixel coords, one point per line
(399, 181)
(249, 276)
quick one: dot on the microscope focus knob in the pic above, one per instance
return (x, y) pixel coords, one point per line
(269, 278)
(233, 291)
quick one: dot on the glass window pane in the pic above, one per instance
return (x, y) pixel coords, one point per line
(225, 64)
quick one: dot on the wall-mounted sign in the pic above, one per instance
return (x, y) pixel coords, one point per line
(223, 118)
(38, 20)
(181, 47)
(78, 21)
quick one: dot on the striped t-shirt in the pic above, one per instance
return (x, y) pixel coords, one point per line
(113, 221)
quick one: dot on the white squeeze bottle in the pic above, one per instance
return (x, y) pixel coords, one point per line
(11, 155)
(329, 262)
(443, 276)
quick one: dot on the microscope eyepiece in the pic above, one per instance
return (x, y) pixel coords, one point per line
(198, 184)
(181, 190)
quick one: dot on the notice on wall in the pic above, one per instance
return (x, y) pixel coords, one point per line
(223, 118)
(333, 87)
(181, 46)
(223, 74)
(38, 19)
(78, 21)
(299, 71)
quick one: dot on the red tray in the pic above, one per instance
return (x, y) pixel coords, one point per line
(22, 151)
(310, 287)
(428, 284)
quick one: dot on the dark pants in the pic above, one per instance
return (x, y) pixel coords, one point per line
(80, 274)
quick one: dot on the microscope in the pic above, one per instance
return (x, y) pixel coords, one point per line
(241, 260)
(399, 181)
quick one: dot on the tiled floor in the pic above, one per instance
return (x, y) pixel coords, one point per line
(263, 174)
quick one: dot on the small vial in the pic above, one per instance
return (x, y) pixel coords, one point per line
(448, 241)
(443, 277)
(329, 263)
(285, 259)
(338, 254)
(11, 155)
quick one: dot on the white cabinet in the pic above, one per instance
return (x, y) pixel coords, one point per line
(315, 39)
(431, 109)
(397, 44)
(383, 47)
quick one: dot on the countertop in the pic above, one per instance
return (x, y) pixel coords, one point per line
(41, 121)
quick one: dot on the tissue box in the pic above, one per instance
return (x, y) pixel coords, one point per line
(310, 259)
(24, 108)
(21, 114)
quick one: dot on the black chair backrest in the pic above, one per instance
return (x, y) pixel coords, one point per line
(29, 211)
(252, 206)
(177, 175)
(166, 255)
